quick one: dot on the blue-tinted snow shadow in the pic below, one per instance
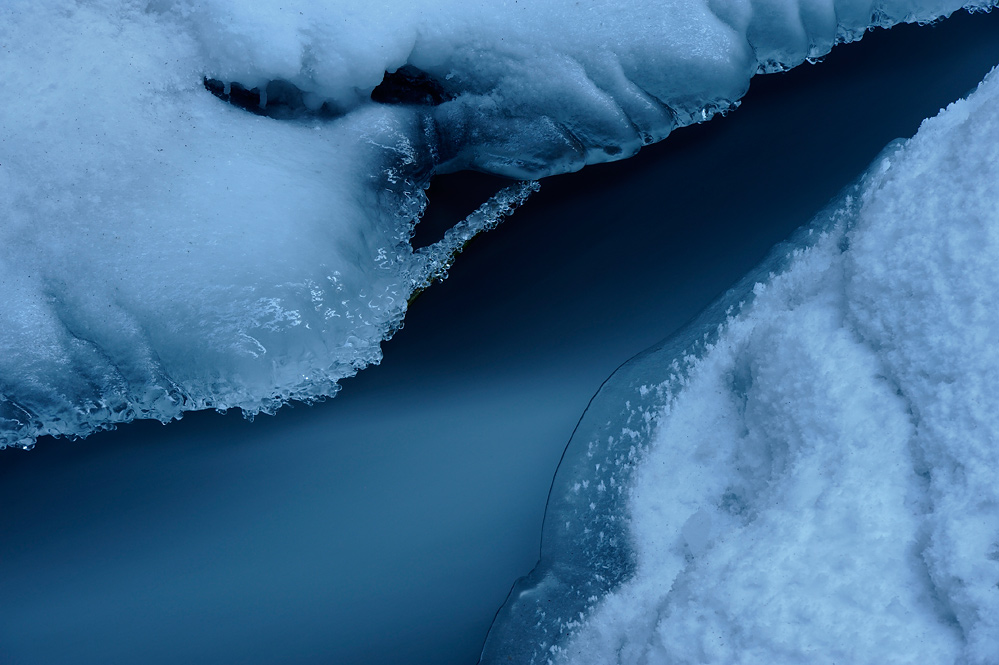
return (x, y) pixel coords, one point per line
(386, 525)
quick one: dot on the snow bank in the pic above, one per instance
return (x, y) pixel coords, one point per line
(162, 251)
(534, 88)
(812, 480)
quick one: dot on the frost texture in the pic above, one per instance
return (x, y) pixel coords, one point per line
(163, 251)
(808, 476)
(533, 88)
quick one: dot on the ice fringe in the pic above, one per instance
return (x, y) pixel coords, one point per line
(807, 474)
(163, 251)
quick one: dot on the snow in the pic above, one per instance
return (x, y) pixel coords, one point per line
(815, 477)
(162, 251)
(538, 87)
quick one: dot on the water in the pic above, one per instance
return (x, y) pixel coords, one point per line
(386, 525)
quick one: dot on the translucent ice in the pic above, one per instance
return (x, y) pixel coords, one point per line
(533, 88)
(162, 251)
(807, 474)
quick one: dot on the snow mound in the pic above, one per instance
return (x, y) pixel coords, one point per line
(162, 250)
(808, 473)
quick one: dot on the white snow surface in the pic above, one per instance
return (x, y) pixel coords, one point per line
(162, 251)
(821, 484)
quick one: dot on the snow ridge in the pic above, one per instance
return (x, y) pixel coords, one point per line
(817, 483)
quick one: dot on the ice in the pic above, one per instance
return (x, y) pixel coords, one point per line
(537, 88)
(162, 250)
(806, 474)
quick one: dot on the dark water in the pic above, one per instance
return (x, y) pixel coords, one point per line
(386, 525)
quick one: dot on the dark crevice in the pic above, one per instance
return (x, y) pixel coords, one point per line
(283, 100)
(409, 85)
(278, 99)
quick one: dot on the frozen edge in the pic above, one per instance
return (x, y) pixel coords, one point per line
(633, 395)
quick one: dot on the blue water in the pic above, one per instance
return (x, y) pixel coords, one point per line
(387, 525)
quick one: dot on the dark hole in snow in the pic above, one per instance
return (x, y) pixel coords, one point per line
(280, 99)
(409, 85)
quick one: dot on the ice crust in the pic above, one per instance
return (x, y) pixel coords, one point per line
(808, 472)
(535, 88)
(163, 251)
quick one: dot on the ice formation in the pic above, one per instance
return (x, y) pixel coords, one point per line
(808, 473)
(162, 251)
